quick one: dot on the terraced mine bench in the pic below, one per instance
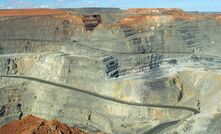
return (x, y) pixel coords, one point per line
(112, 70)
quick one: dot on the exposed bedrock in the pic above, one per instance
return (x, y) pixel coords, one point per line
(115, 71)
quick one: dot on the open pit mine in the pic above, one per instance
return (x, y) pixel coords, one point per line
(106, 70)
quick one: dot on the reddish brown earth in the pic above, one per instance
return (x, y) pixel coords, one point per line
(30, 12)
(35, 125)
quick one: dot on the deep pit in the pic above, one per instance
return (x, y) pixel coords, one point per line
(111, 70)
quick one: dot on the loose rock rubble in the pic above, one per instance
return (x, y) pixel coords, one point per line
(35, 125)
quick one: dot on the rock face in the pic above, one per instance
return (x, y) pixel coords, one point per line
(111, 70)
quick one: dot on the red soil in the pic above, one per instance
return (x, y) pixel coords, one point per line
(140, 17)
(35, 125)
(30, 12)
(150, 11)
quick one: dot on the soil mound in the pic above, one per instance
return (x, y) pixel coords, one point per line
(35, 125)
